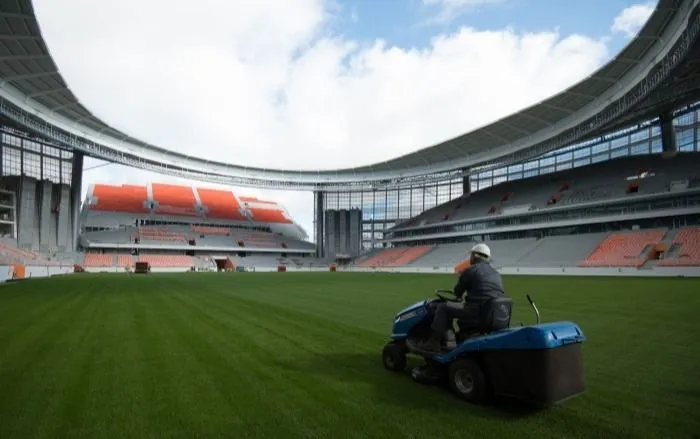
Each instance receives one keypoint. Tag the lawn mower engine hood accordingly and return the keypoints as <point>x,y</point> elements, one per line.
<point>408,317</point>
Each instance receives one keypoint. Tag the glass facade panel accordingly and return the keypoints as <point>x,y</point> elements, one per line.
<point>22,155</point>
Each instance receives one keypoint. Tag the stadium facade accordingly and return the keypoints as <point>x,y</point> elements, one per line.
<point>615,151</point>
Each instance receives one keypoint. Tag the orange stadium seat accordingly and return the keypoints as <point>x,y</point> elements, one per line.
<point>256,200</point>
<point>98,260</point>
<point>174,200</point>
<point>160,234</point>
<point>220,204</point>
<point>125,198</point>
<point>259,240</point>
<point>210,230</point>
<point>688,252</point>
<point>409,255</point>
<point>268,215</point>
<point>383,258</point>
<point>124,260</point>
<point>623,249</point>
<point>167,260</point>
<point>265,211</point>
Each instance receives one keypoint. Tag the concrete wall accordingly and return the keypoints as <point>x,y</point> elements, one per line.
<point>531,271</point>
<point>36,271</point>
<point>121,269</point>
<point>41,271</point>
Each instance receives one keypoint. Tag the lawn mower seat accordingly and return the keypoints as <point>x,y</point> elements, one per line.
<point>495,315</point>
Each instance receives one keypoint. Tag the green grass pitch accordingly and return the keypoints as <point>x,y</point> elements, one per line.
<point>297,355</point>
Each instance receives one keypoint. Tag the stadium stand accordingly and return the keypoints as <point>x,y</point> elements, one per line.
<point>264,211</point>
<point>163,261</point>
<point>685,249</point>
<point>173,200</point>
<point>619,162</point>
<point>561,251</point>
<point>209,230</point>
<point>158,234</point>
<point>627,178</point>
<point>220,204</point>
<point>98,260</point>
<point>124,198</point>
<point>627,249</point>
<point>617,178</point>
<point>396,257</point>
<point>124,261</point>
<point>550,251</point>
<point>12,254</point>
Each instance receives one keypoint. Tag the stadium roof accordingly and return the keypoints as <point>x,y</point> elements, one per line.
<point>33,94</point>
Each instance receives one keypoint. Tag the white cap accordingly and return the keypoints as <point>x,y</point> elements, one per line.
<point>482,249</point>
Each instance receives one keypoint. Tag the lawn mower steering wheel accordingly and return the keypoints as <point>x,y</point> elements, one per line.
<point>439,294</point>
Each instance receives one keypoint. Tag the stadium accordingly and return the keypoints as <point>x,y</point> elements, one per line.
<point>589,200</point>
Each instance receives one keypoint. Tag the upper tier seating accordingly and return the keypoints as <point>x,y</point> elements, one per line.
<point>220,204</point>
<point>125,198</point>
<point>623,249</point>
<point>174,200</point>
<point>167,199</point>
<point>612,179</point>
<point>687,254</point>
<point>264,211</point>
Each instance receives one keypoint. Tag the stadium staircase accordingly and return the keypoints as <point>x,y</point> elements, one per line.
<point>528,250</point>
<point>685,249</point>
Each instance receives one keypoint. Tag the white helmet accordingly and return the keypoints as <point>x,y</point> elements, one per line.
<point>482,249</point>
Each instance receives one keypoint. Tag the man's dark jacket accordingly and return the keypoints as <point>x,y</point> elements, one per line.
<point>481,281</point>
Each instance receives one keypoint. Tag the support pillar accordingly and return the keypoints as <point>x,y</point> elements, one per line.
<point>320,222</point>
<point>668,135</point>
<point>76,184</point>
<point>466,184</point>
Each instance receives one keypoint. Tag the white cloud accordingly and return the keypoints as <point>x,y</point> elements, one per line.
<point>632,18</point>
<point>263,83</point>
<point>450,9</point>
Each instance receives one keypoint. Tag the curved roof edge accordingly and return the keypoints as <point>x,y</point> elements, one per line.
<point>97,144</point>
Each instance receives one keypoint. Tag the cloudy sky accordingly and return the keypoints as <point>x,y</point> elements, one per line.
<point>316,84</point>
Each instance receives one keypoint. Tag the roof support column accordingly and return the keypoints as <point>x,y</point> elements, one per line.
<point>668,134</point>
<point>466,183</point>
<point>76,184</point>
<point>319,222</point>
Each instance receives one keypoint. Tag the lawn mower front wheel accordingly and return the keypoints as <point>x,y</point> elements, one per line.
<point>394,357</point>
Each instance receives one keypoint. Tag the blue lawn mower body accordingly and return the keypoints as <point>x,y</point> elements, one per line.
<point>538,364</point>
